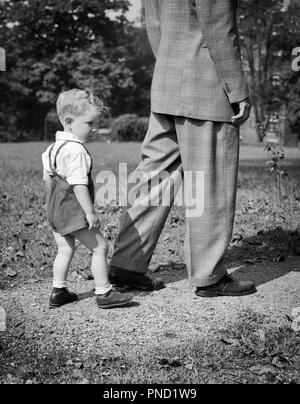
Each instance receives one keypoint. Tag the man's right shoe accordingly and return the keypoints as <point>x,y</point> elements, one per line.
<point>122,277</point>
<point>59,297</point>
<point>113,298</point>
<point>227,286</point>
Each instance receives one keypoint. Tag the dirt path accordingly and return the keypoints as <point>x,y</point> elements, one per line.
<point>168,319</point>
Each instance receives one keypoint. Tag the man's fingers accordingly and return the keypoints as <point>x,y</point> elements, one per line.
<point>241,113</point>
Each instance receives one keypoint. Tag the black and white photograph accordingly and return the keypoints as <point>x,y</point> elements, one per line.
<point>149,195</point>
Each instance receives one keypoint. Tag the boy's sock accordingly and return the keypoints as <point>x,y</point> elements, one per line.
<point>103,289</point>
<point>60,285</point>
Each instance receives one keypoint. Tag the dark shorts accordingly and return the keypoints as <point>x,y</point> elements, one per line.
<point>64,213</point>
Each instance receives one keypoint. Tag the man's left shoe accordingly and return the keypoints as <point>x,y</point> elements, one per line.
<point>122,277</point>
<point>59,297</point>
<point>227,286</point>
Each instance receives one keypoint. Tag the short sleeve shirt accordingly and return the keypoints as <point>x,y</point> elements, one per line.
<point>73,161</point>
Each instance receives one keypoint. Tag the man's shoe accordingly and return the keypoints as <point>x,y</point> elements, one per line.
<point>123,277</point>
<point>113,298</point>
<point>59,297</point>
<point>227,286</point>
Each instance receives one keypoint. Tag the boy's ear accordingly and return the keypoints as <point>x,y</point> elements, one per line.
<point>68,120</point>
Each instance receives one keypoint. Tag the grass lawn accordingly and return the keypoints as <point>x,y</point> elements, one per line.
<point>260,218</point>
<point>265,233</point>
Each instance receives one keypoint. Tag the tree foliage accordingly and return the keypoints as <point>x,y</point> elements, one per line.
<point>53,45</point>
<point>269,32</point>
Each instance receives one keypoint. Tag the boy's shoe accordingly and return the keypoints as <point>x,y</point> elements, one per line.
<point>122,277</point>
<point>227,286</point>
<point>113,298</point>
<point>59,297</point>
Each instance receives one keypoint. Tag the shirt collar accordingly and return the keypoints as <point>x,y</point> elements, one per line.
<point>60,135</point>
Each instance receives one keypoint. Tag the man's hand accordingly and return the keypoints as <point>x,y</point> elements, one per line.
<point>93,221</point>
<point>244,108</point>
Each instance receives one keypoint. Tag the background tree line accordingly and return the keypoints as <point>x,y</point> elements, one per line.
<point>53,45</point>
<point>269,31</point>
<point>58,44</point>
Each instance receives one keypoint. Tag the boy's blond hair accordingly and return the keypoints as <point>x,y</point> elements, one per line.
<point>76,102</point>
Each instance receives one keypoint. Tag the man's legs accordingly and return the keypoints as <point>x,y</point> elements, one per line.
<point>210,149</point>
<point>141,226</point>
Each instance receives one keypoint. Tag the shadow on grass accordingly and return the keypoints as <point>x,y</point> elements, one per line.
<point>260,258</point>
<point>85,295</point>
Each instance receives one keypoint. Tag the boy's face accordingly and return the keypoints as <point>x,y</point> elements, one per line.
<point>84,127</point>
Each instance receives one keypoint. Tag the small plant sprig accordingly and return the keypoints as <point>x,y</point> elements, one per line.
<point>275,165</point>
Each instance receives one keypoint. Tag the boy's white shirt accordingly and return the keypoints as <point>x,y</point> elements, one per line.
<point>73,162</point>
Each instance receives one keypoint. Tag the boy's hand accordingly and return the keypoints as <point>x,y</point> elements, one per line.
<point>83,197</point>
<point>93,221</point>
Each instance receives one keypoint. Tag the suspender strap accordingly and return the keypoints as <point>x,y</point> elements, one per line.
<point>54,166</point>
<point>57,153</point>
<point>50,162</point>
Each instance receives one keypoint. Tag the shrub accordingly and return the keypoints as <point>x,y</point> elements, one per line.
<point>129,128</point>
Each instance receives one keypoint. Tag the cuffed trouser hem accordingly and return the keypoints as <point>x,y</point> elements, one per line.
<point>204,282</point>
<point>134,266</point>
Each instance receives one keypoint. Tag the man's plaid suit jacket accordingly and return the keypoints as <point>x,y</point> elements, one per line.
<point>198,72</point>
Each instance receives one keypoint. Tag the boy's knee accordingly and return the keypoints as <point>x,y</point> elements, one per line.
<point>66,251</point>
<point>102,248</point>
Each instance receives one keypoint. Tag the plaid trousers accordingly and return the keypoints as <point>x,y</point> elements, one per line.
<point>180,145</point>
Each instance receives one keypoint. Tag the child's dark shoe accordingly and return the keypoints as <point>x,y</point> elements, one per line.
<point>59,297</point>
<point>113,298</point>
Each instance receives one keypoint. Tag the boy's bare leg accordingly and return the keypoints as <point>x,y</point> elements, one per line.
<point>60,295</point>
<point>107,297</point>
<point>66,248</point>
<point>94,241</point>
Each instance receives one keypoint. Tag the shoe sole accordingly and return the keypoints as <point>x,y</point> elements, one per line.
<point>113,305</point>
<point>220,294</point>
<point>52,306</point>
<point>57,306</point>
<point>137,287</point>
